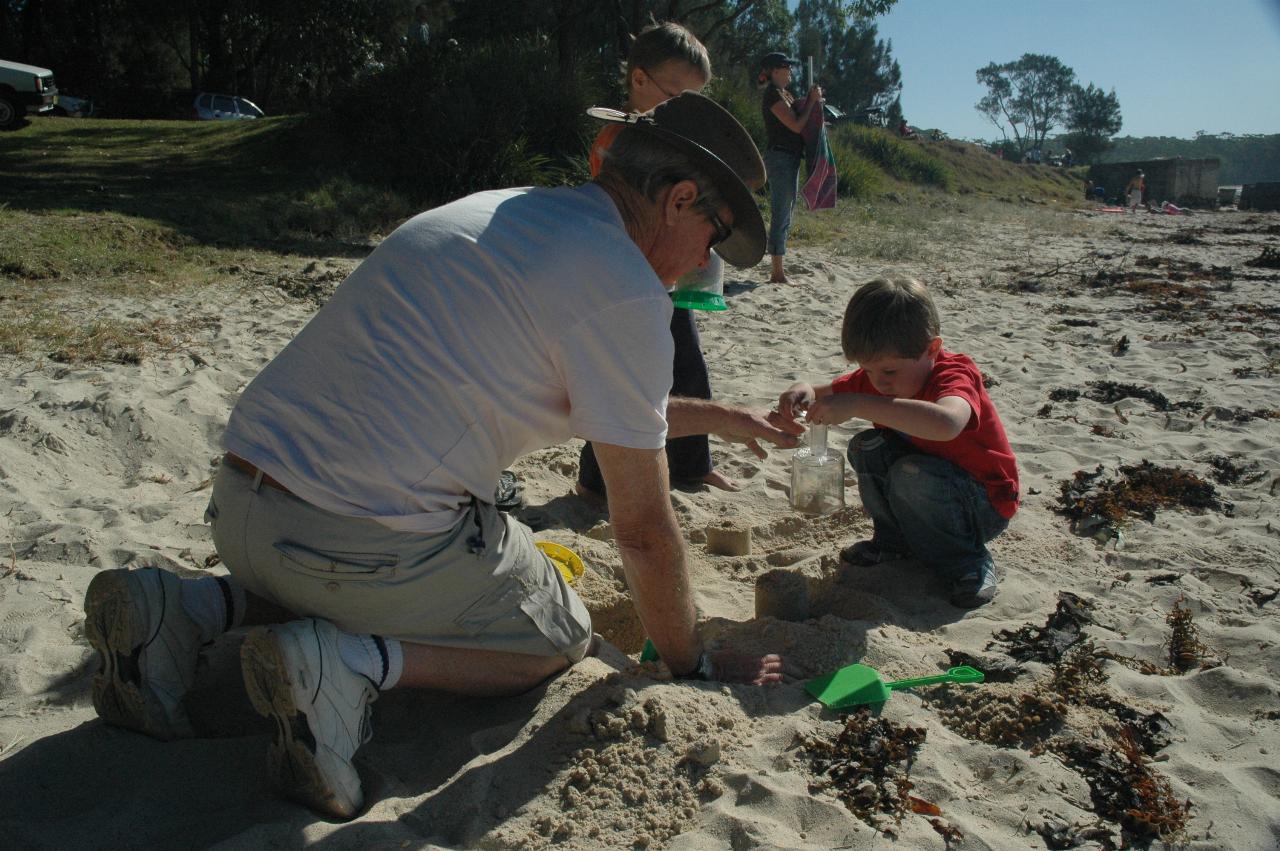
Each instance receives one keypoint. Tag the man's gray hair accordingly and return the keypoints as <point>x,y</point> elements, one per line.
<point>648,165</point>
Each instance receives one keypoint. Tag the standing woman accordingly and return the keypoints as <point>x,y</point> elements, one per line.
<point>785,148</point>
<point>666,59</point>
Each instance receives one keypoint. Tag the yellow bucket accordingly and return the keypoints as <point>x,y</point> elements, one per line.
<point>565,560</point>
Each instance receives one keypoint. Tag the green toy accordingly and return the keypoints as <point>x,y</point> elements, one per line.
<point>855,685</point>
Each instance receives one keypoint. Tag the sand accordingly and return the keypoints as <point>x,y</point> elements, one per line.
<point>102,467</point>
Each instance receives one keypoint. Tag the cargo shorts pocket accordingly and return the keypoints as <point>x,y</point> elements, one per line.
<point>502,601</point>
<point>333,565</point>
<point>564,628</point>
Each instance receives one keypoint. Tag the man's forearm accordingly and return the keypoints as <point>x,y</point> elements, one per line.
<point>654,563</point>
<point>687,416</point>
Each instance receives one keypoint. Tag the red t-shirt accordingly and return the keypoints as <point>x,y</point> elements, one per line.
<point>982,450</point>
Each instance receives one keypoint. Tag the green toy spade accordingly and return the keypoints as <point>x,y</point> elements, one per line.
<point>855,685</point>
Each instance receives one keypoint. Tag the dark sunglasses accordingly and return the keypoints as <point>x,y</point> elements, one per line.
<point>723,231</point>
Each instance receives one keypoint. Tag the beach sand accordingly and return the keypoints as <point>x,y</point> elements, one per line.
<point>109,466</point>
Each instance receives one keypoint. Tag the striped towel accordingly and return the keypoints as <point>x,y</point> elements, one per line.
<point>819,190</point>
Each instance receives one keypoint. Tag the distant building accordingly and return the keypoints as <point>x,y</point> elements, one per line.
<point>1187,183</point>
<point>1260,196</point>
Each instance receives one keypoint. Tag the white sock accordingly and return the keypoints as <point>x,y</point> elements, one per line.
<point>374,657</point>
<point>206,601</point>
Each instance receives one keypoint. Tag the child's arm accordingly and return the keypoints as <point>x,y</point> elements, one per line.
<point>940,421</point>
<point>798,397</point>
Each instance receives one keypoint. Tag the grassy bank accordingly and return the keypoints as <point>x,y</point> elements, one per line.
<point>99,211</point>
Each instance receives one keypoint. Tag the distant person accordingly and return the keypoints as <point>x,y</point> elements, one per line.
<point>905,131</point>
<point>935,472</point>
<point>666,59</point>
<point>1100,193</point>
<point>1135,189</point>
<point>1067,158</point>
<point>419,32</point>
<point>782,126</point>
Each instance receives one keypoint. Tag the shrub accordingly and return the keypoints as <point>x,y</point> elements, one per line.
<point>441,122</point>
<point>902,159</point>
<point>858,176</point>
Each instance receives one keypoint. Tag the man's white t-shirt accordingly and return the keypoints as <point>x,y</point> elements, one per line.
<point>477,332</point>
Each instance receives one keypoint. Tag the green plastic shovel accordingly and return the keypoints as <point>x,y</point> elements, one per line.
<point>855,685</point>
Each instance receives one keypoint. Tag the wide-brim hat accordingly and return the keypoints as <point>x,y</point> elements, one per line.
<point>719,146</point>
<point>777,60</point>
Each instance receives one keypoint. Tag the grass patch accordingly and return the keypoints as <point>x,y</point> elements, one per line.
<point>905,160</point>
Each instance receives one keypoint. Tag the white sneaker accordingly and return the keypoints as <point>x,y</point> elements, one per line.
<point>149,647</point>
<point>296,677</point>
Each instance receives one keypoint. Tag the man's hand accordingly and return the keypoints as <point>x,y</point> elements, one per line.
<point>745,425</point>
<point>728,666</point>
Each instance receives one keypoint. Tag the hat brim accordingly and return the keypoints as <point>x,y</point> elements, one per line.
<point>745,245</point>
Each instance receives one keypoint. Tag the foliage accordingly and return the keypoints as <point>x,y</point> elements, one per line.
<point>1031,95</point>
<point>1253,158</point>
<point>287,53</point>
<point>855,68</point>
<point>531,139</point>
<point>902,159</point>
<point>857,176</point>
<point>1092,119</point>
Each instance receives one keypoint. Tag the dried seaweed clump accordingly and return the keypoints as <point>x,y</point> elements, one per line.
<point>1027,719</point>
<point>1268,259</point>
<point>1227,471</point>
<point>1110,392</point>
<point>868,765</point>
<point>1185,648</point>
<point>1047,643</point>
<point>1078,674</point>
<point>1138,491</point>
<point>1125,789</point>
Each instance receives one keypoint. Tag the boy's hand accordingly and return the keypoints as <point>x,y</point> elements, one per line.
<point>833,410</point>
<point>794,400</point>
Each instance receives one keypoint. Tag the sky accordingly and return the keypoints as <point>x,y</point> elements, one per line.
<point>1177,66</point>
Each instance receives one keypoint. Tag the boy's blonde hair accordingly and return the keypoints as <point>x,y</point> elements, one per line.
<point>659,43</point>
<point>889,317</point>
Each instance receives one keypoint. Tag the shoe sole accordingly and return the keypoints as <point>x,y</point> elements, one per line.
<point>291,764</point>
<point>111,625</point>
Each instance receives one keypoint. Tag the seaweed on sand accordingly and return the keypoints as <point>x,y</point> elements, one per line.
<point>868,766</point>
<point>1125,789</point>
<point>1139,490</point>
<point>1049,642</point>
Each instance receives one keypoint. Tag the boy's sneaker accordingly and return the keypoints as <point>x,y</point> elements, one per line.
<point>975,589</point>
<point>867,554</point>
<point>148,646</point>
<point>296,677</point>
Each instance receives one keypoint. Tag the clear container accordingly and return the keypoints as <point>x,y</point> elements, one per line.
<point>817,476</point>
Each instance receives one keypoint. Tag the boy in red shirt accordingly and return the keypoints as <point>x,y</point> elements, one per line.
<point>936,472</point>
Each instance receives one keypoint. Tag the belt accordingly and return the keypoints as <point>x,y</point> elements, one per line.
<point>248,467</point>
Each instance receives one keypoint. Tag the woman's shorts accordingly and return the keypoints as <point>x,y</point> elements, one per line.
<point>481,585</point>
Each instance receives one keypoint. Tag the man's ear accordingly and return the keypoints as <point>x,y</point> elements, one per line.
<point>935,346</point>
<point>680,197</point>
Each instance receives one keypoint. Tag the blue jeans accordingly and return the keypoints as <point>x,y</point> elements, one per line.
<point>924,505</point>
<point>784,178</point>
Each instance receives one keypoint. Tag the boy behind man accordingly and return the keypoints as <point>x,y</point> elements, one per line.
<point>936,472</point>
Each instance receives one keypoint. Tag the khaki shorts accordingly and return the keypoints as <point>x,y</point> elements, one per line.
<point>481,585</point>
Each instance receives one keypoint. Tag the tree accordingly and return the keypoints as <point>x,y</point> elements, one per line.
<point>855,68</point>
<point>1031,95</point>
<point>1093,117</point>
